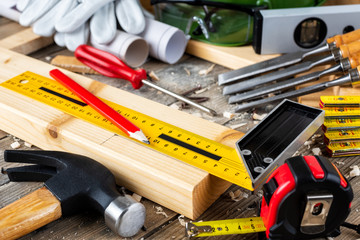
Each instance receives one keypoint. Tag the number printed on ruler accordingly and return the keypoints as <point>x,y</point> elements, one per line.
<point>211,156</point>
<point>226,227</point>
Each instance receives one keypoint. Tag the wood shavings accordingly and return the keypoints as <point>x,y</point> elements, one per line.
<point>160,211</point>
<point>153,76</point>
<point>176,105</point>
<point>316,136</point>
<point>238,195</point>
<point>71,63</point>
<point>187,71</point>
<point>228,115</point>
<point>235,126</point>
<point>206,71</point>
<point>316,151</point>
<point>15,145</point>
<point>308,143</point>
<point>355,172</point>
<point>339,163</point>
<point>259,117</point>
<point>137,197</point>
<point>201,90</point>
<point>182,220</point>
<point>29,145</point>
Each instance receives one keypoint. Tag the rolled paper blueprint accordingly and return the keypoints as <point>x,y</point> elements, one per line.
<point>167,43</point>
<point>133,50</point>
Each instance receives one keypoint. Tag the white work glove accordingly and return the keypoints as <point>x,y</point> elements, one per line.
<point>47,14</point>
<point>103,23</point>
<point>69,19</point>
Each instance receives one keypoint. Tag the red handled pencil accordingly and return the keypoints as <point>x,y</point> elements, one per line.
<point>125,125</point>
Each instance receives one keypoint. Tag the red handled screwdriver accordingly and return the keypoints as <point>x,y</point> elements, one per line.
<point>111,66</point>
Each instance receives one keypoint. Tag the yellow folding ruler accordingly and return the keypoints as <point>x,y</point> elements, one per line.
<point>342,112</point>
<point>343,149</point>
<point>225,227</point>
<point>211,156</point>
<point>343,135</point>
<point>339,101</point>
<point>341,123</point>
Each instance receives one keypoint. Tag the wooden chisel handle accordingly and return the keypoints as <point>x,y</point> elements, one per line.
<point>28,214</point>
<point>355,60</point>
<point>349,49</point>
<point>345,38</point>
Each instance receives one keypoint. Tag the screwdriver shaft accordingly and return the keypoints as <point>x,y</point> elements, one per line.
<point>181,98</point>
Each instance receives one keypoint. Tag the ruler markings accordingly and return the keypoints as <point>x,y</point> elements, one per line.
<point>218,159</point>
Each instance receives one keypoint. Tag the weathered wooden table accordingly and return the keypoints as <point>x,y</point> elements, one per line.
<point>162,223</point>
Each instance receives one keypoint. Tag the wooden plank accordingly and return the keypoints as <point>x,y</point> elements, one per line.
<point>167,181</point>
<point>230,57</point>
<point>25,41</point>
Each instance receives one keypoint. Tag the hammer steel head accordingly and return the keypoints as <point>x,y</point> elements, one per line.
<point>79,183</point>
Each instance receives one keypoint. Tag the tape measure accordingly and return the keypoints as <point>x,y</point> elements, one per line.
<point>305,198</point>
<point>211,156</point>
<point>225,227</point>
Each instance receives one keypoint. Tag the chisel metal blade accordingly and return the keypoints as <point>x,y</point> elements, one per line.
<point>303,91</point>
<point>277,75</point>
<point>283,85</point>
<point>265,66</point>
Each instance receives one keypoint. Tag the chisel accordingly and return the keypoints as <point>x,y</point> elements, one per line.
<point>336,54</point>
<point>344,65</point>
<point>352,77</point>
<point>286,60</point>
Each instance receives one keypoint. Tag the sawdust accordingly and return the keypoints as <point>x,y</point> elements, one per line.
<point>238,195</point>
<point>355,172</point>
<point>15,145</point>
<point>206,71</point>
<point>153,76</point>
<point>316,151</point>
<point>182,221</point>
<point>160,211</point>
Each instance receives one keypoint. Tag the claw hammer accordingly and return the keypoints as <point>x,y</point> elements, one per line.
<point>72,183</point>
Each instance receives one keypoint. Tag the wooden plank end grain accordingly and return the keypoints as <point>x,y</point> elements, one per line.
<point>160,178</point>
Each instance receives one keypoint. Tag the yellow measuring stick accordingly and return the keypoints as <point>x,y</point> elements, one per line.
<point>342,136</point>
<point>343,149</point>
<point>341,123</point>
<point>339,101</point>
<point>225,227</point>
<point>342,112</point>
<point>211,156</point>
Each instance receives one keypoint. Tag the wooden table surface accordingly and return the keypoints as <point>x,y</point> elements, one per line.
<point>162,223</point>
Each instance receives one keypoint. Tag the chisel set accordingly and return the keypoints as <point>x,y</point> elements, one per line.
<point>341,125</point>
<point>250,86</point>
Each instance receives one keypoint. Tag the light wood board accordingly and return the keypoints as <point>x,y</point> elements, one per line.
<point>167,181</point>
<point>230,57</point>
